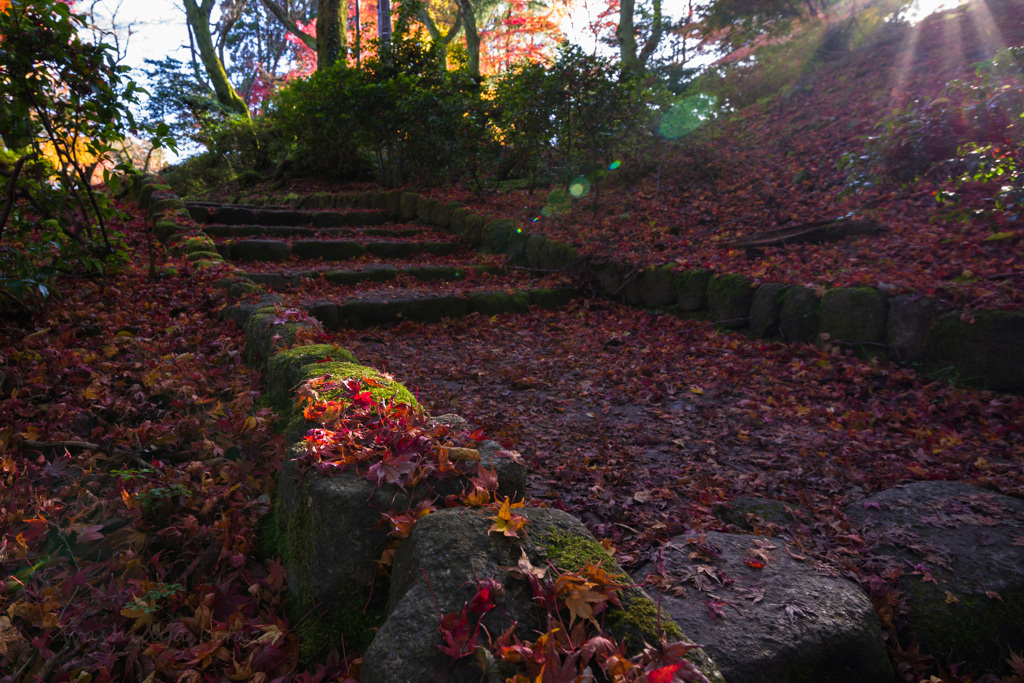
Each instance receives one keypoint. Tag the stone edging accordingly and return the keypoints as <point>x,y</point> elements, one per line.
<point>312,513</point>
<point>984,349</point>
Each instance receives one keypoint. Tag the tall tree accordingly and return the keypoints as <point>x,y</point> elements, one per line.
<point>199,17</point>
<point>632,61</point>
<point>331,38</point>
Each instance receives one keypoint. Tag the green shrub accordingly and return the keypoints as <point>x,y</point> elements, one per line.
<point>571,118</point>
<point>972,133</point>
<point>405,119</point>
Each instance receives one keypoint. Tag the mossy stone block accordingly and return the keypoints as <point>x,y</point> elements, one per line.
<point>534,249</point>
<point>441,248</point>
<point>407,205</point>
<point>518,241</point>
<point>555,255</point>
<point>729,299</point>
<point>425,208</point>
<point>440,215</point>
<point>393,249</point>
<point>495,234</point>
<point>385,390</point>
<point>263,336</point>
<point>283,371</point>
<point>260,250</point>
<point>765,309</point>
<point>854,315</point>
<point>610,278</point>
<point>329,250</point>
<point>692,289</point>
<point>551,297</point>
<point>326,312</point>
<point>493,303</point>
<point>984,350</point>
<point>433,309</point>
<point>353,277</point>
<point>657,287</point>
<point>393,203</point>
<point>435,273</point>
<point>800,315</point>
<point>474,228</point>
<point>457,222</point>
<point>163,230</point>
<point>907,326</point>
<point>161,207</point>
<point>201,255</point>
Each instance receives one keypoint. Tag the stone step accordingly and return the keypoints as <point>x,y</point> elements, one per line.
<point>373,310</point>
<point>249,215</point>
<point>382,273</point>
<point>330,250</point>
<point>237,231</point>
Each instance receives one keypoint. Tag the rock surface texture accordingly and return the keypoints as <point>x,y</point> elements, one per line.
<point>764,616</point>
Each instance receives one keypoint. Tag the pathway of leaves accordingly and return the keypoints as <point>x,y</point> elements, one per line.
<point>136,463</point>
<point>642,423</point>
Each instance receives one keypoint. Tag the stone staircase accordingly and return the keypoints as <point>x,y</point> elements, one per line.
<point>367,259</point>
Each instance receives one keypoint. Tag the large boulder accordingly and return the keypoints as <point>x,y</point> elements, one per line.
<point>437,569</point>
<point>957,550</point>
<point>781,623</point>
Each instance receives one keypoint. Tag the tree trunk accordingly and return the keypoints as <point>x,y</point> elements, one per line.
<point>384,24</point>
<point>282,15</point>
<point>331,33</point>
<point>198,17</point>
<point>472,38</point>
<point>632,62</point>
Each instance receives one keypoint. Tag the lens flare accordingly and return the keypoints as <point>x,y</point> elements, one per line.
<point>615,165</point>
<point>579,187</point>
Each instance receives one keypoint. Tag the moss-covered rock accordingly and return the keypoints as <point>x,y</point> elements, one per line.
<point>163,230</point>
<point>440,248</point>
<point>854,315</point>
<point>800,315</point>
<point>495,234</point>
<point>260,250</point>
<point>369,274</point>
<point>203,255</point>
<point>457,223</point>
<point>983,350</point>
<point>729,299</point>
<point>692,289</point>
<point>284,370</point>
<point>765,309</point>
<point>393,250</point>
<point>907,326</point>
<point>534,248</point>
<point>330,250</point>
<point>971,609</point>
<point>657,287</point>
<point>407,206</point>
<point>474,228</point>
<point>551,297</point>
<point>493,303</point>
<point>425,208</point>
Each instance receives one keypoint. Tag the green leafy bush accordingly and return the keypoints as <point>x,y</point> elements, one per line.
<point>66,101</point>
<point>972,133</point>
<point>403,117</point>
<point>573,117</point>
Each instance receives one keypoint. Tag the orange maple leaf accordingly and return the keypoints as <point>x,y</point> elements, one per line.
<point>505,522</point>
